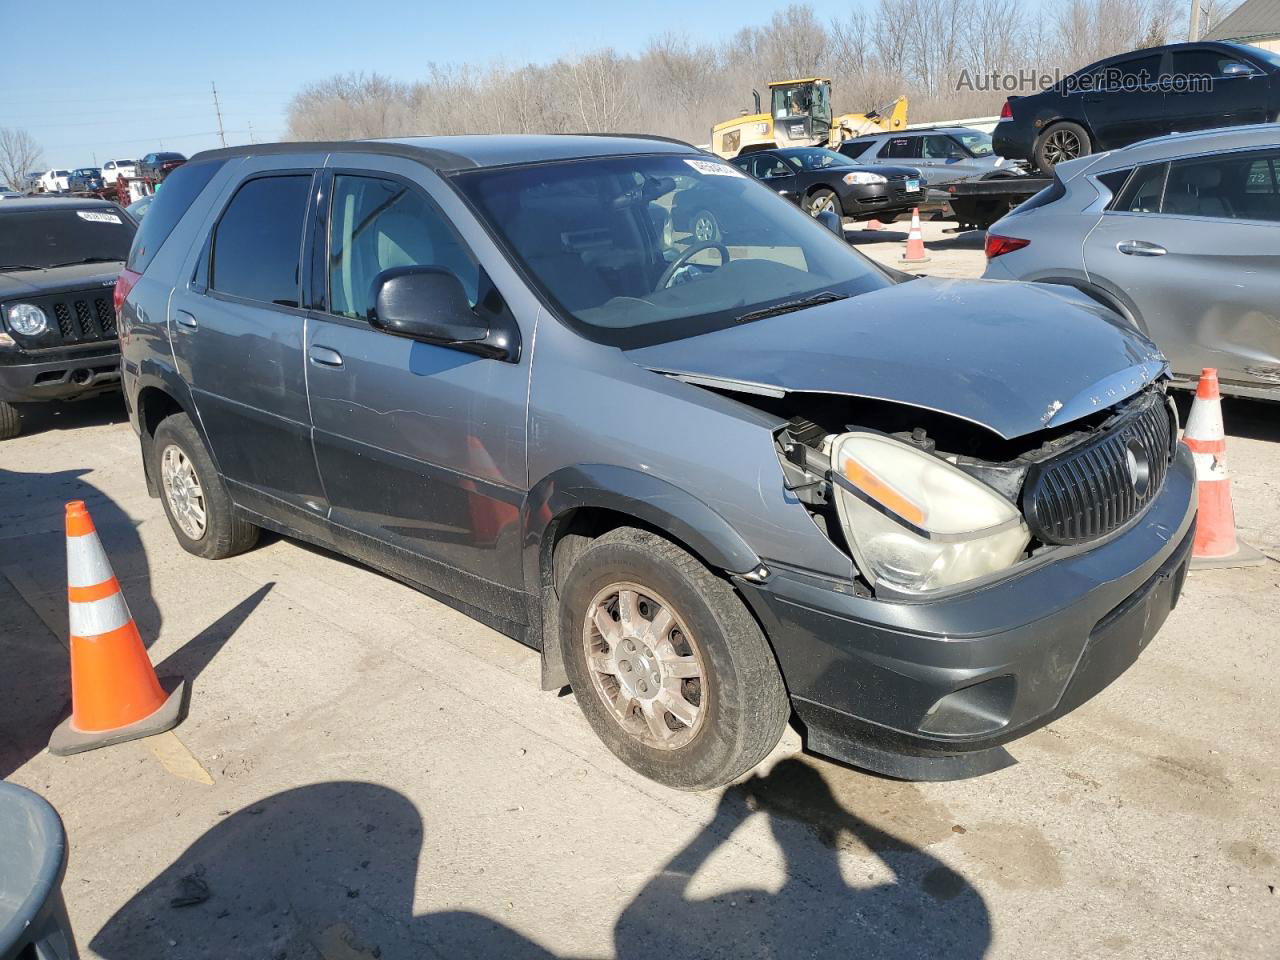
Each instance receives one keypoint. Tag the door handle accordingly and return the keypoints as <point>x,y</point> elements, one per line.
<point>1140,248</point>
<point>185,319</point>
<point>325,357</point>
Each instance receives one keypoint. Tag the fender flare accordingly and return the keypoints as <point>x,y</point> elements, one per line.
<point>649,499</point>
<point>623,490</point>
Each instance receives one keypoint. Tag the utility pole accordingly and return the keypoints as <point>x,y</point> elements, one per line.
<point>251,140</point>
<point>218,110</point>
<point>1193,29</point>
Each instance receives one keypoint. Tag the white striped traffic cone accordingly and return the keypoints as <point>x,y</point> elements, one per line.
<point>1216,543</point>
<point>115,695</point>
<point>914,252</point>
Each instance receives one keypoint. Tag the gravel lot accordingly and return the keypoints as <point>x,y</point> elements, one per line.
<point>366,773</point>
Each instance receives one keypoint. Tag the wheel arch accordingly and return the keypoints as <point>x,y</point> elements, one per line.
<point>573,506</point>
<point>154,402</point>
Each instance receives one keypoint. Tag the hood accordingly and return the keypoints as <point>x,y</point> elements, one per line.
<point>1012,357</point>
<point>35,283</point>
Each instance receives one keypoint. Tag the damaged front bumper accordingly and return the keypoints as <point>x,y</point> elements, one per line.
<point>931,690</point>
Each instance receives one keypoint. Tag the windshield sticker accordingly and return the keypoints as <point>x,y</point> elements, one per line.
<point>713,169</point>
<point>95,216</point>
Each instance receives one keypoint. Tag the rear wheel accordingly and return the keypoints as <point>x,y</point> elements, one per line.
<point>10,421</point>
<point>822,200</point>
<point>1060,143</point>
<point>667,664</point>
<point>195,499</point>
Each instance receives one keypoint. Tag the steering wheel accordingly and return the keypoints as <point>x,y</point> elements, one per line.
<point>689,253</point>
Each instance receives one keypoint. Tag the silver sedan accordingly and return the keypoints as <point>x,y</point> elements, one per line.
<point>1180,235</point>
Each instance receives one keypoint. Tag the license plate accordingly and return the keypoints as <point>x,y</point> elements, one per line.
<point>913,186</point>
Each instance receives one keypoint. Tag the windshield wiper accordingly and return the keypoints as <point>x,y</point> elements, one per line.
<point>73,263</point>
<point>20,266</point>
<point>791,306</point>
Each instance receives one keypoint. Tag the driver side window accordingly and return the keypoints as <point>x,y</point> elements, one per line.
<point>770,168</point>
<point>377,224</point>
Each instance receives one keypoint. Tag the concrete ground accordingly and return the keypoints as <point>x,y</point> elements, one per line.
<point>366,773</point>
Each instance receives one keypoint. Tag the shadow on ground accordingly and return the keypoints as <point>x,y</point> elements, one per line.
<point>96,411</point>
<point>330,870</point>
<point>34,687</point>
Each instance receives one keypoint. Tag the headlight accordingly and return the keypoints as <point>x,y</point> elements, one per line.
<point>862,177</point>
<point>916,523</point>
<point>27,319</point>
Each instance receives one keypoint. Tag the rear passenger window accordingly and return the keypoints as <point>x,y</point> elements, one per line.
<point>180,190</point>
<point>377,224</point>
<point>900,147</point>
<point>1240,186</point>
<point>258,242</point>
<point>1143,192</point>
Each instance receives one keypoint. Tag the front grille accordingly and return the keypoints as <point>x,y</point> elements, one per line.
<point>1096,487</point>
<point>80,317</point>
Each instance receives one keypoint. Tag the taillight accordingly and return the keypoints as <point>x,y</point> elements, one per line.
<point>998,246</point>
<point>1006,112</point>
<point>124,283</point>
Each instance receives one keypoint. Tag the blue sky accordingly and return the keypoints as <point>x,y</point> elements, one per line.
<point>91,91</point>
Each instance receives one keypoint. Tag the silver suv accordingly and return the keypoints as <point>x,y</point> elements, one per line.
<point>714,482</point>
<point>942,154</point>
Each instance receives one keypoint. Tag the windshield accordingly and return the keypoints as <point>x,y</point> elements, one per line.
<point>976,142</point>
<point>48,238</point>
<point>793,100</point>
<point>816,158</point>
<point>642,250</point>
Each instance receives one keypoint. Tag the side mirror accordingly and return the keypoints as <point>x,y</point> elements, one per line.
<point>430,304</point>
<point>831,220</point>
<point>1234,68</point>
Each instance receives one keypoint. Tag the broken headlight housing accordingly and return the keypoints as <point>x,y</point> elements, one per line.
<point>917,524</point>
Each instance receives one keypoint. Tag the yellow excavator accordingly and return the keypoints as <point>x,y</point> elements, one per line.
<point>800,116</point>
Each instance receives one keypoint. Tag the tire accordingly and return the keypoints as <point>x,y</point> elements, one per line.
<point>10,421</point>
<point>224,532</point>
<point>704,222</point>
<point>718,670</point>
<point>1053,146</point>
<point>823,199</point>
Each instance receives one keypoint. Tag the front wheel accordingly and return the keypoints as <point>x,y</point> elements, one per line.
<point>820,201</point>
<point>195,499</point>
<point>10,421</point>
<point>669,667</point>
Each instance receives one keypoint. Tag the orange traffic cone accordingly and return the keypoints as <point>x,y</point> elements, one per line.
<point>873,224</point>
<point>115,695</point>
<point>915,241</point>
<point>1216,543</point>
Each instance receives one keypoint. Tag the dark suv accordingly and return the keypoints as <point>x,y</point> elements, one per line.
<point>58,264</point>
<point>713,481</point>
<point>1136,96</point>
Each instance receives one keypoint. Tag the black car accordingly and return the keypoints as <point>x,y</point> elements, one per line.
<point>1139,95</point>
<point>157,166</point>
<point>83,179</point>
<point>820,180</point>
<point>58,264</point>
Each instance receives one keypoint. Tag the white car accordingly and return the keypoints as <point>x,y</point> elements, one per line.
<point>113,169</point>
<point>54,181</point>
<point>10,195</point>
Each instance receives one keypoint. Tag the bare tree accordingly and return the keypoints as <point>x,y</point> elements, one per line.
<point>19,155</point>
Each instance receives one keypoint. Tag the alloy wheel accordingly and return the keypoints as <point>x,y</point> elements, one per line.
<point>183,492</point>
<point>645,666</point>
<point>821,204</point>
<point>1060,146</point>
